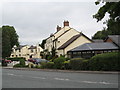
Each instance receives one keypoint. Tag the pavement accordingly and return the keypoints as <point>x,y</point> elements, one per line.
<point>58,70</point>
<point>34,78</point>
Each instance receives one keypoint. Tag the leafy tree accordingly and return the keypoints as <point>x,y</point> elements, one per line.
<point>113,23</point>
<point>43,43</point>
<point>9,39</point>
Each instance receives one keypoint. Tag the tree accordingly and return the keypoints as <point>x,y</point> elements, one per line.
<point>113,23</point>
<point>9,39</point>
<point>43,43</point>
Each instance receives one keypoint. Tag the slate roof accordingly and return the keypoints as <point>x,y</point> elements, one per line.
<point>97,41</point>
<point>95,46</point>
<point>32,47</point>
<point>72,40</point>
<point>115,39</point>
<point>19,47</point>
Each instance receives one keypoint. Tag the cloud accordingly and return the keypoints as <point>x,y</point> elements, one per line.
<point>36,21</point>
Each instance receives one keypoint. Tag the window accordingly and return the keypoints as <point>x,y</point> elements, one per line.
<point>31,50</point>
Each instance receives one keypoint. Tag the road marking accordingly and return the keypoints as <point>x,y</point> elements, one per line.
<point>61,79</point>
<point>39,77</point>
<point>13,74</point>
<point>98,82</point>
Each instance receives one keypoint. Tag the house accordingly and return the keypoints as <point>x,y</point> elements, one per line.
<point>88,50</point>
<point>65,39</point>
<point>26,51</point>
<point>113,39</point>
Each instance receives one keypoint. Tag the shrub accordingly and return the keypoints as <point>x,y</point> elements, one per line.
<point>16,58</point>
<point>67,65</point>
<point>50,65</point>
<point>105,61</point>
<point>4,63</point>
<point>19,65</point>
<point>79,64</point>
<point>22,62</point>
<point>59,62</point>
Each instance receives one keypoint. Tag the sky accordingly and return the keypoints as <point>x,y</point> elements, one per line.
<point>35,21</point>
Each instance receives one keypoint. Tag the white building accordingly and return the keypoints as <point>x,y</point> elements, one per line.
<point>65,39</point>
<point>26,51</point>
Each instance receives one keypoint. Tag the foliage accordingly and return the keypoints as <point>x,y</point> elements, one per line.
<point>9,39</point>
<point>4,63</point>
<point>16,58</point>
<point>19,65</point>
<point>43,43</point>
<point>59,62</point>
<point>22,62</point>
<point>67,65</point>
<point>105,61</point>
<point>79,64</point>
<point>49,65</point>
<point>113,23</point>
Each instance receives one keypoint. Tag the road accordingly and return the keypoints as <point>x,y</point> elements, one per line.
<point>52,79</point>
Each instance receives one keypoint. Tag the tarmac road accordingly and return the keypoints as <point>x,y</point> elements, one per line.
<point>52,79</point>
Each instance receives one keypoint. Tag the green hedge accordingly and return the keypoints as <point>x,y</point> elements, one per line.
<point>59,62</point>
<point>49,65</point>
<point>79,64</point>
<point>16,58</point>
<point>105,62</point>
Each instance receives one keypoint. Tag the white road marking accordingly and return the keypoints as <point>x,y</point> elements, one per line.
<point>61,79</point>
<point>13,74</point>
<point>98,82</point>
<point>39,77</point>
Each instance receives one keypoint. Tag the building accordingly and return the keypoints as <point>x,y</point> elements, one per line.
<point>65,39</point>
<point>26,51</point>
<point>87,50</point>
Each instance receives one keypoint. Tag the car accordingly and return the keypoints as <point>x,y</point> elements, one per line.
<point>37,60</point>
<point>8,61</point>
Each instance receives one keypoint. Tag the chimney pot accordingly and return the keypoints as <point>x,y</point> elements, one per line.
<point>66,23</point>
<point>58,28</point>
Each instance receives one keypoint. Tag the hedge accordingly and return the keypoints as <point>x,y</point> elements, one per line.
<point>59,62</point>
<point>16,58</point>
<point>105,62</point>
<point>79,64</point>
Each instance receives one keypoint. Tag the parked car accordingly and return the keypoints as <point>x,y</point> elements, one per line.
<point>8,61</point>
<point>37,60</point>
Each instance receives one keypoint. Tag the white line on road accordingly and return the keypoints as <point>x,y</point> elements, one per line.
<point>61,79</point>
<point>39,77</point>
<point>13,74</point>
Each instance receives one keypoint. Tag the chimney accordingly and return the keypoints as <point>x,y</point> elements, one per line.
<point>66,23</point>
<point>58,28</point>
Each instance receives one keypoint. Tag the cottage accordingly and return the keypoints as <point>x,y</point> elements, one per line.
<point>26,51</point>
<point>65,39</point>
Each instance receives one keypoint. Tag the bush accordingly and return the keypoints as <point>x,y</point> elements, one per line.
<point>16,58</point>
<point>49,65</point>
<point>67,65</point>
<point>59,62</point>
<point>22,62</point>
<point>105,62</point>
<point>79,64</point>
<point>19,65</point>
<point>4,63</point>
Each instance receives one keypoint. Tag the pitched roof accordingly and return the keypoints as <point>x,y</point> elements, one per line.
<point>62,34</point>
<point>19,47</point>
<point>69,41</point>
<point>32,47</point>
<point>95,46</point>
<point>98,40</point>
<point>115,39</point>
<point>72,40</point>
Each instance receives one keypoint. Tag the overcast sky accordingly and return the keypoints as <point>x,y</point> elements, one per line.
<point>35,21</point>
